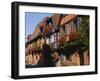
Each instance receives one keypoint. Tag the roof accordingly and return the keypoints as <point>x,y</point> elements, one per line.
<point>56,21</point>
<point>67,19</point>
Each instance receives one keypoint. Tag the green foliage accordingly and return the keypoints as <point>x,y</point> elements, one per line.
<point>84,31</point>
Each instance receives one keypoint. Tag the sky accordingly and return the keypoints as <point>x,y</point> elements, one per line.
<point>32,19</point>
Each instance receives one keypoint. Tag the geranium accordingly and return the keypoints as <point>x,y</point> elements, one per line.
<point>73,35</point>
<point>62,39</point>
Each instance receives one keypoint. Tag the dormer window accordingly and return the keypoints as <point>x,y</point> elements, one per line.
<point>29,37</point>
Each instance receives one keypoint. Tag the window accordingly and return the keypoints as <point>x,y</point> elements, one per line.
<point>47,40</point>
<point>52,38</point>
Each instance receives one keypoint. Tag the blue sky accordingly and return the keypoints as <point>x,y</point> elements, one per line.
<point>32,19</point>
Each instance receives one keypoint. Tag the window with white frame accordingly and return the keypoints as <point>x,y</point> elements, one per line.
<point>52,38</point>
<point>47,40</point>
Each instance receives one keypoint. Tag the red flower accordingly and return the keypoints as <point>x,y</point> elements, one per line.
<point>62,39</point>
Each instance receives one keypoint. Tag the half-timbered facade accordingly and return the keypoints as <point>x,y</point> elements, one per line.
<point>54,30</point>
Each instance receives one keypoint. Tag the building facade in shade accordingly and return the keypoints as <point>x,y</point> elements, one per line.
<point>54,31</point>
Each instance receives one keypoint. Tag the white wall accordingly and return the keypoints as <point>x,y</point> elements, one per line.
<point>5,38</point>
